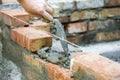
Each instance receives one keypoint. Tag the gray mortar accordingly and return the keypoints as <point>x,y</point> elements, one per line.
<point>56,55</point>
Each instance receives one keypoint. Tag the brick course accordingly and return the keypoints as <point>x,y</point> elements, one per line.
<point>94,67</point>
<point>10,21</point>
<point>76,27</point>
<point>31,38</point>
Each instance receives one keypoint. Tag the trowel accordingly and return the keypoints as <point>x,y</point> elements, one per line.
<point>60,32</point>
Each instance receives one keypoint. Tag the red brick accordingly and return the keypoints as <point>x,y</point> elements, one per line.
<point>55,72</point>
<point>34,63</point>
<point>112,2</point>
<point>77,27</point>
<point>27,58</point>
<point>31,38</point>
<point>76,54</point>
<point>63,18</point>
<point>39,25</point>
<point>10,21</point>
<point>58,73</point>
<point>94,67</point>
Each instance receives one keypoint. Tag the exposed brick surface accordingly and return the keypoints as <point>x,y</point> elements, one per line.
<point>77,27</point>
<point>39,25</point>
<point>94,67</point>
<point>57,73</point>
<point>31,38</point>
<point>8,20</point>
<point>30,74</point>
<point>104,24</point>
<point>112,12</point>
<point>112,2</point>
<point>85,4</point>
<point>105,36</point>
<point>63,17</point>
<point>74,39</point>
<point>81,15</point>
<point>80,4</point>
<point>54,72</point>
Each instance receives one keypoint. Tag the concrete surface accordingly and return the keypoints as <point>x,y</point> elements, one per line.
<point>108,49</point>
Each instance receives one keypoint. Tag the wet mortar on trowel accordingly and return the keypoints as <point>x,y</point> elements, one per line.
<point>56,54</point>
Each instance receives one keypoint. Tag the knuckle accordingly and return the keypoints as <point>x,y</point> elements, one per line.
<point>41,11</point>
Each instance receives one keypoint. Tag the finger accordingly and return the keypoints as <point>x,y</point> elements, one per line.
<point>47,16</point>
<point>50,6</point>
<point>35,15</point>
<point>49,10</point>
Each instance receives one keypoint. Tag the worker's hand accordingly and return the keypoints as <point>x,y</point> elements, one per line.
<point>39,8</point>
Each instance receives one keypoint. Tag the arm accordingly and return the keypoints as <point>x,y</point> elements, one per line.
<point>39,8</point>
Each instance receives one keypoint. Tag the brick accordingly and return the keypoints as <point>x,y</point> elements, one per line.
<point>104,24</point>
<point>87,4</point>
<point>112,12</point>
<point>54,71</point>
<point>94,67</point>
<point>39,25</point>
<point>81,4</point>
<point>112,2</point>
<point>73,39</point>
<point>81,15</point>
<point>34,63</point>
<point>8,20</point>
<point>58,73</point>
<point>30,74</point>
<point>31,38</point>
<point>82,38</point>
<point>27,58</point>
<point>77,27</point>
<point>95,25</point>
<point>63,17</point>
<point>68,4</point>
<point>106,36</point>
<point>61,5</point>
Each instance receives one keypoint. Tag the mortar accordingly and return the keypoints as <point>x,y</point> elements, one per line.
<point>56,54</point>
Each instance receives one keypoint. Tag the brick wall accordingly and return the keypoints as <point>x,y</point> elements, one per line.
<point>90,20</point>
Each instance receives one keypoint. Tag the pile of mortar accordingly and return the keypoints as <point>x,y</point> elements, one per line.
<point>56,55</point>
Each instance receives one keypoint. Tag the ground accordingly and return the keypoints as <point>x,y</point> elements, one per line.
<point>9,71</point>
